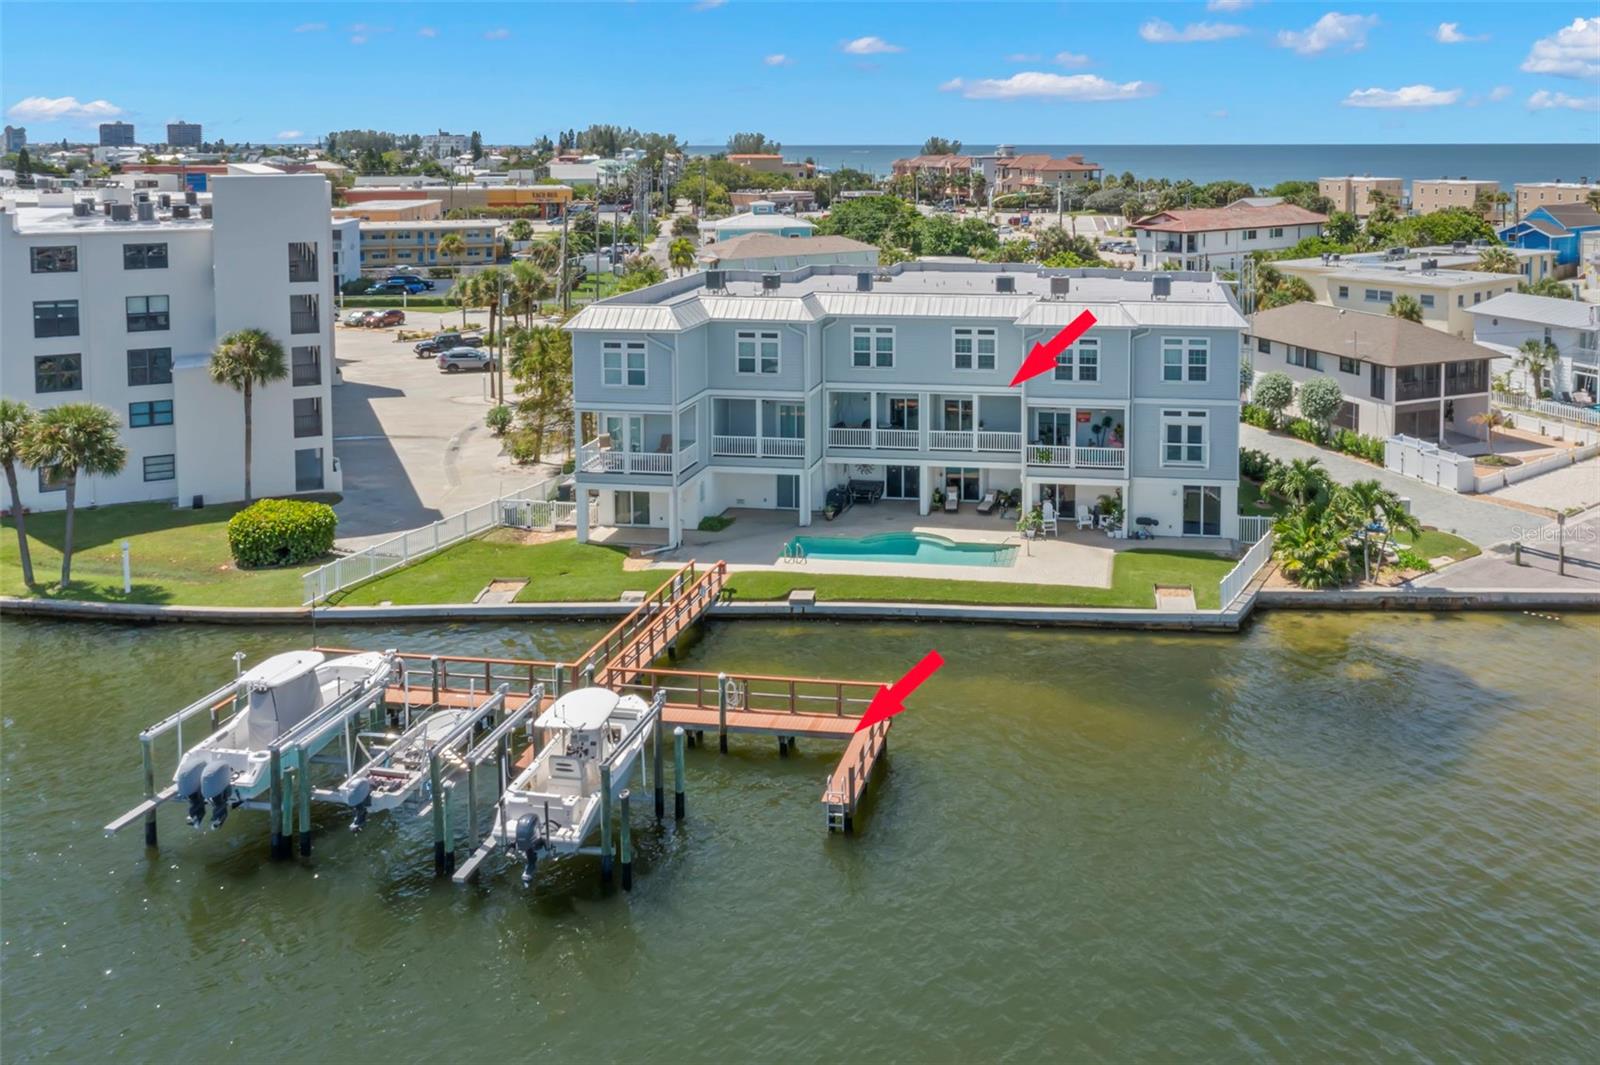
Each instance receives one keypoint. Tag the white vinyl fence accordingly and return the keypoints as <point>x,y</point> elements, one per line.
<point>527,508</point>
<point>1561,412</point>
<point>1253,527</point>
<point>1429,463</point>
<point>1240,576</point>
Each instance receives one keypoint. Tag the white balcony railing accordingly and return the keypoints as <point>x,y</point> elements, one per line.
<point>992,440</point>
<point>748,447</point>
<point>737,446</point>
<point>688,454</point>
<point>783,447</point>
<point>950,440</point>
<point>908,439</point>
<point>592,458</point>
<point>649,462</point>
<point>1049,455</point>
<point>1100,458</point>
<point>849,437</point>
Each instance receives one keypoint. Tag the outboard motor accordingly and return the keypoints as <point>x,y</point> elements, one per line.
<point>360,799</point>
<point>529,842</point>
<point>216,784</point>
<point>189,787</point>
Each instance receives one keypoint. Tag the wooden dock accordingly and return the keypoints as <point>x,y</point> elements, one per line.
<point>699,702</point>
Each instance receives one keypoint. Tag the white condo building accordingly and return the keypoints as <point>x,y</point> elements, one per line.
<point>119,298</point>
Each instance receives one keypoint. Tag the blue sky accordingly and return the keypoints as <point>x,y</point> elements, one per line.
<point>1210,71</point>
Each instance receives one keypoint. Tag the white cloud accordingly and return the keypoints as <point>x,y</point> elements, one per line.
<point>1072,59</point>
<point>1221,112</point>
<point>1227,5</point>
<point>1450,33</point>
<point>358,38</point>
<point>290,134</point>
<point>1571,52</point>
<point>1405,96</point>
<point>1034,85</point>
<point>1545,100</point>
<point>427,31</point>
<point>1329,31</point>
<point>499,33</point>
<point>63,109</point>
<point>869,46</point>
<point>777,59</point>
<point>708,5</point>
<point>1499,92</point>
<point>1160,31</point>
<point>1024,57</point>
<point>311,27</point>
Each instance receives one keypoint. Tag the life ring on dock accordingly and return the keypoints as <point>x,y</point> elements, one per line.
<point>734,694</point>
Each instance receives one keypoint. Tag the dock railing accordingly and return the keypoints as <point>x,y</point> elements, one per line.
<point>1238,579</point>
<point>752,692</point>
<point>530,507</point>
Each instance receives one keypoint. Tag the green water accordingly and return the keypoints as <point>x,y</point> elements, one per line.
<point>1334,837</point>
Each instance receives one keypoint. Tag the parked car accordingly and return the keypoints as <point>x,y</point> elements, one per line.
<point>358,317</point>
<point>409,279</point>
<point>445,342</point>
<point>387,316</point>
<point>457,359</point>
<point>395,285</point>
<point>402,269</point>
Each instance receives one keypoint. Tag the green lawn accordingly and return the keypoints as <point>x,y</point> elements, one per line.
<point>567,570</point>
<point>1250,493</point>
<point>177,555</point>
<point>1434,543</point>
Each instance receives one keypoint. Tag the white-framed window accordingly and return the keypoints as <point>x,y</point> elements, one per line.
<point>1275,232</point>
<point>755,352</point>
<point>622,364</point>
<point>1426,299</point>
<point>1185,358</point>
<point>1080,361</point>
<point>974,348</point>
<point>872,346</point>
<point>1344,292</point>
<point>1249,234</point>
<point>1183,438</point>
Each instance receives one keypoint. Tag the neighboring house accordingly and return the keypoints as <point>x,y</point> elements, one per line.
<point>124,309</point>
<point>1022,173</point>
<point>772,163</point>
<point>1443,282</point>
<point>776,387</point>
<point>1218,238</point>
<point>761,218</point>
<point>767,252</point>
<point>1532,195</point>
<point>399,209</point>
<point>794,199</point>
<point>1353,195</point>
<point>1396,376</point>
<point>389,244</point>
<point>442,145</point>
<point>949,175</point>
<point>346,249</point>
<point>1506,322</point>
<point>1558,228</point>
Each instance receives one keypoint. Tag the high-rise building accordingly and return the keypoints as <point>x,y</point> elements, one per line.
<point>116,134</point>
<point>16,139</point>
<point>181,134</point>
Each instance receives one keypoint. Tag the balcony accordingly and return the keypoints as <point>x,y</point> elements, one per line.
<point>850,437</point>
<point>996,440</point>
<point>950,440</point>
<point>1081,458</point>
<point>767,447</point>
<point>598,457</point>
<point>897,439</point>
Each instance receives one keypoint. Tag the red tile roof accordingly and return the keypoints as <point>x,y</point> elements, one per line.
<point>1233,216</point>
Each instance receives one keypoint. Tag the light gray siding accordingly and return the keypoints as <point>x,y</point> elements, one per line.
<point>923,353</point>
<point>588,389</point>
<point>721,340</point>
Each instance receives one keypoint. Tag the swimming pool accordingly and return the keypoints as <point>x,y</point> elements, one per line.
<point>903,547</point>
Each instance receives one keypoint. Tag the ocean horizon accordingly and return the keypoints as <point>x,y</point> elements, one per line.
<point>1264,164</point>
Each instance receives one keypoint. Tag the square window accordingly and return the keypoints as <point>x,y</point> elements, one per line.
<point>1263,345</point>
<point>1348,365</point>
<point>307,365</point>
<point>1426,299</point>
<point>57,373</point>
<point>55,318</point>
<point>148,314</point>
<point>149,366</point>
<point>144,256</point>
<point>308,416</point>
<point>56,259</point>
<point>152,412</point>
<point>51,480</point>
<point>1344,292</point>
<point>1183,436</point>
<point>160,467</point>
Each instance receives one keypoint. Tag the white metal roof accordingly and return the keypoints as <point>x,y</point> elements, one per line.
<point>583,710</point>
<point>1544,310</point>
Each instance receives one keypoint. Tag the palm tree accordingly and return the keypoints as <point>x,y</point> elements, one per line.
<point>1498,261</point>
<point>68,440</point>
<point>1535,358</point>
<point>243,360</point>
<point>1406,307</point>
<point>1310,550</point>
<point>16,422</point>
<point>1491,420</point>
<point>530,286</point>
<point>1366,504</point>
<point>1546,286</point>
<point>519,230</point>
<point>680,255</point>
<point>1300,481</point>
<point>1593,199</point>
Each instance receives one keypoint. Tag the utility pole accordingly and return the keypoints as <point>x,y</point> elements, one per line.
<point>562,291</point>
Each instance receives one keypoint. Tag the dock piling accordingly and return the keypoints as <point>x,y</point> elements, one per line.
<point>433,668</point>
<point>722,712</point>
<point>677,773</point>
<point>626,835</point>
<point>436,796</point>
<point>150,787</point>
<point>605,824</point>
<point>661,784</point>
<point>302,778</point>
<point>275,802</point>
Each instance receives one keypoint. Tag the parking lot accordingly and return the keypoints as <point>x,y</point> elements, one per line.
<point>410,440</point>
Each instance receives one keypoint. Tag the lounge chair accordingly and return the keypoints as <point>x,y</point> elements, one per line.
<point>952,502</point>
<point>989,503</point>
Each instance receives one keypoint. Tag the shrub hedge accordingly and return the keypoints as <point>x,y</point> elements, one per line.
<point>281,532</point>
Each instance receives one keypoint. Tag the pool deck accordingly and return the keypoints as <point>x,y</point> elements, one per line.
<point>756,538</point>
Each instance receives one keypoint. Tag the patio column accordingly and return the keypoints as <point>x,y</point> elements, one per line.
<point>804,510</point>
<point>581,494</point>
<point>924,489</point>
<point>674,519</point>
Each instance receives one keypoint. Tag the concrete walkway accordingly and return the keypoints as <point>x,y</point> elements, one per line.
<point>1478,520</point>
<point>1497,567</point>
<point>1560,489</point>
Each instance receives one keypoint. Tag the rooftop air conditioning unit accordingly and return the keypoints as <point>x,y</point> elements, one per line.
<point>1430,265</point>
<point>82,210</point>
<point>147,212</point>
<point>1398,250</point>
<point>105,208</point>
<point>1458,245</point>
<point>180,210</point>
<point>1060,287</point>
<point>771,282</point>
<point>205,210</point>
<point>716,280</point>
<point>1161,286</point>
<point>122,212</point>
<point>191,197</point>
<point>164,200</point>
<point>864,281</point>
<point>1005,283</point>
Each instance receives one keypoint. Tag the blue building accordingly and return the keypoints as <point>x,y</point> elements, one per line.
<point>1558,227</point>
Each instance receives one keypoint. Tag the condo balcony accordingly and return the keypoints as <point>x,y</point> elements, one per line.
<point>925,421</point>
<point>635,444</point>
<point>758,428</point>
<point>1085,438</point>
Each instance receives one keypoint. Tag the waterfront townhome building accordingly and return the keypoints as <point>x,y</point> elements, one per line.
<point>1532,195</point>
<point>1464,193</point>
<point>1397,377</point>
<point>115,299</point>
<point>1559,229</point>
<point>1219,238</point>
<point>1039,170</point>
<point>1353,195</point>
<point>944,175</point>
<point>734,389</point>
<point>1506,322</point>
<point>772,163</point>
<point>1443,281</point>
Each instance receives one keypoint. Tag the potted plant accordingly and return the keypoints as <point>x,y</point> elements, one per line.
<point>1042,456</point>
<point>1031,523</point>
<point>938,497</point>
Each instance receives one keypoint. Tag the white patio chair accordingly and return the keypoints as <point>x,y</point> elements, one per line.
<point>1049,512</point>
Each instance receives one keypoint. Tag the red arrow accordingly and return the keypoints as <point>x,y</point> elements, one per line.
<point>1043,356</point>
<point>890,701</point>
